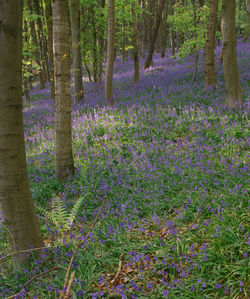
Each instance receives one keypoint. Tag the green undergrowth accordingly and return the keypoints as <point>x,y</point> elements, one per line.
<point>175,177</point>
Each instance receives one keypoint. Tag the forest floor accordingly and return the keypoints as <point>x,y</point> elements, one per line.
<point>171,164</point>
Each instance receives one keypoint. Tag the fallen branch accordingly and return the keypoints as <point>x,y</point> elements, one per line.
<point>68,291</point>
<point>196,216</point>
<point>32,279</point>
<point>22,251</point>
<point>119,269</point>
<point>178,252</point>
<point>80,243</point>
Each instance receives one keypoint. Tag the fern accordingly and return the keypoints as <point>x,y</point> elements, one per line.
<point>59,215</point>
<point>75,209</point>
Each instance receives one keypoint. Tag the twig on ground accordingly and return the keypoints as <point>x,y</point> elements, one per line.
<point>68,291</point>
<point>119,269</point>
<point>196,216</point>
<point>22,251</point>
<point>14,245</point>
<point>80,243</point>
<point>177,249</point>
<point>32,279</point>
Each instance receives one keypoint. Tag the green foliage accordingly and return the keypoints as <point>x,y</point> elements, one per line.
<point>241,23</point>
<point>183,21</point>
<point>59,215</point>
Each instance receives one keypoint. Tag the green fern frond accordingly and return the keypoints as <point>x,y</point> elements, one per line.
<point>41,211</point>
<point>59,215</point>
<point>58,212</point>
<point>75,209</point>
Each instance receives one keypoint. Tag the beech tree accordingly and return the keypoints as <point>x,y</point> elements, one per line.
<point>38,52</point>
<point>15,197</point>
<point>63,140</point>
<point>153,38</point>
<point>48,14</point>
<point>135,45</point>
<point>230,66</point>
<point>210,78</point>
<point>76,48</point>
<point>111,53</point>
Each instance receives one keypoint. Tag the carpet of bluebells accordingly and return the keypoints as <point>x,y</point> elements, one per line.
<point>173,164</point>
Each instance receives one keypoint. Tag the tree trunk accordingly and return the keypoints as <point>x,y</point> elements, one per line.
<point>41,40</point>
<point>64,157</point>
<point>144,32</point>
<point>38,55</point>
<point>210,78</point>
<point>135,46</point>
<point>148,61</point>
<point>123,37</point>
<point>76,48</point>
<point>196,56</point>
<point>163,30</point>
<point>48,15</point>
<point>100,47</point>
<point>232,82</point>
<point>248,19</point>
<point>173,42</point>
<point>110,52</point>
<point>18,210</point>
<point>94,48</point>
<point>196,23</point>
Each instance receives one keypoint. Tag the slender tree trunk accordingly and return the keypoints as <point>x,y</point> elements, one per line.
<point>76,48</point>
<point>25,67</point>
<point>210,77</point>
<point>26,90</point>
<point>94,49</point>
<point>172,34</point>
<point>196,57</point>
<point>18,210</point>
<point>111,52</point>
<point>248,18</point>
<point>100,48</point>
<point>48,15</point>
<point>230,66</point>
<point>144,31</point>
<point>64,157</point>
<point>87,69</point>
<point>173,42</point>
<point>163,31</point>
<point>123,37</point>
<point>38,55</point>
<point>41,40</point>
<point>148,61</point>
<point>196,22</point>
<point>135,45</point>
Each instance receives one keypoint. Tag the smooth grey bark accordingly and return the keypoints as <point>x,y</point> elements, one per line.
<point>63,140</point>
<point>230,66</point>
<point>18,210</point>
<point>210,77</point>
<point>48,15</point>
<point>148,61</point>
<point>76,48</point>
<point>110,53</point>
